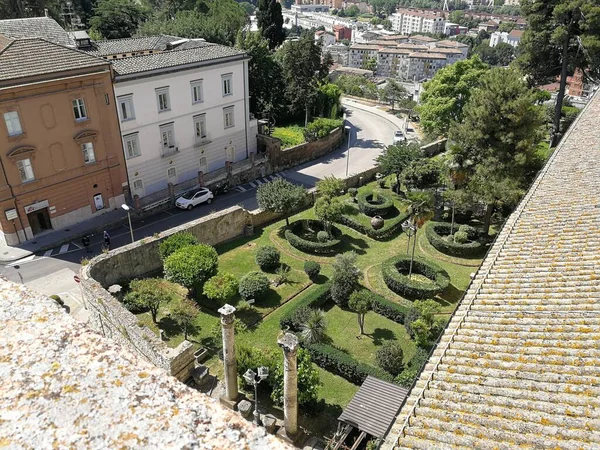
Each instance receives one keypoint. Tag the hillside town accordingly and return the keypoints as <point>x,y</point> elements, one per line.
<point>313,224</point>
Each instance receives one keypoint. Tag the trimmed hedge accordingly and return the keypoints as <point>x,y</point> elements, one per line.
<point>435,232</point>
<point>371,207</point>
<point>389,228</point>
<point>316,297</point>
<point>393,311</point>
<point>341,363</point>
<point>402,285</point>
<point>308,246</point>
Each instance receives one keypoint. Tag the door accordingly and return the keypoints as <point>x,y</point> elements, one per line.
<point>39,221</point>
<point>203,165</point>
<point>230,153</point>
<point>138,188</point>
<point>172,175</point>
<point>98,202</point>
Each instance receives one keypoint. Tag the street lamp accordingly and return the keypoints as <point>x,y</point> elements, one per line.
<point>128,209</point>
<point>347,128</point>
<point>410,230</point>
<point>254,379</point>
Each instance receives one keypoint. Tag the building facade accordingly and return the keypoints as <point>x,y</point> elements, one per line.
<point>60,147</point>
<point>408,21</point>
<point>183,109</point>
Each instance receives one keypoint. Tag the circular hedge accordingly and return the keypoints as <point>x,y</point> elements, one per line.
<point>297,235</point>
<point>374,204</point>
<point>394,270</point>
<point>436,233</point>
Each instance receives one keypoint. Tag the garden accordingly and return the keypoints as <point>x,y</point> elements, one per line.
<point>363,297</point>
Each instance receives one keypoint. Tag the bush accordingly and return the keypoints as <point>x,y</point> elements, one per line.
<point>312,269</point>
<point>152,293</point>
<point>57,299</point>
<point>267,258</point>
<point>322,236</point>
<point>390,228</point>
<point>344,280</point>
<point>389,357</point>
<point>344,365</point>
<point>320,128</point>
<point>386,308</point>
<point>315,297</point>
<point>353,192</point>
<point>472,232</point>
<point>410,288</point>
<point>191,266</point>
<point>374,204</point>
<point>221,288</point>
<point>460,237</point>
<point>412,371</point>
<point>297,228</point>
<point>173,243</point>
<point>253,285</point>
<point>435,232</point>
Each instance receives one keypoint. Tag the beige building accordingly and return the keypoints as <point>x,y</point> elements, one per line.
<point>60,147</point>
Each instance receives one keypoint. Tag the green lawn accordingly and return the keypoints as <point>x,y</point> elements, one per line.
<point>290,135</point>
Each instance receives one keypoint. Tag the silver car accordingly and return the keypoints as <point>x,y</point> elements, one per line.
<point>194,197</point>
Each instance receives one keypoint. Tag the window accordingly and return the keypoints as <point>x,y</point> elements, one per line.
<point>200,127</point>
<point>203,164</point>
<point>226,82</point>
<point>13,123</point>
<point>197,94</point>
<point>25,170</point>
<point>228,117</point>
<point>138,187</point>
<point>132,146</point>
<point>126,108</point>
<point>172,175</point>
<point>162,97</point>
<point>88,153</point>
<point>79,109</point>
<point>167,138</point>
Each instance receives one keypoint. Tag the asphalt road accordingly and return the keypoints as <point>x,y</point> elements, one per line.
<point>52,272</point>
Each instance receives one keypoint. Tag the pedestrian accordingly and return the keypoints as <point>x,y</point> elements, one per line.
<point>107,240</point>
<point>85,240</point>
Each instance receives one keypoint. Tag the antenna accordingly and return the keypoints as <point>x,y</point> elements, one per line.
<point>446,8</point>
<point>491,3</point>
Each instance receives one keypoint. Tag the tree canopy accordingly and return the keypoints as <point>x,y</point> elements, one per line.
<point>269,20</point>
<point>280,196</point>
<point>393,92</point>
<point>396,158</point>
<point>116,19</point>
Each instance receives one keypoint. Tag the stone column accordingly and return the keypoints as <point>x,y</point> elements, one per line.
<point>289,343</point>
<point>229,361</point>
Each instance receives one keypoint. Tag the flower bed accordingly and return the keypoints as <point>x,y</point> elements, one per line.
<point>374,203</point>
<point>436,233</point>
<point>302,234</point>
<point>394,270</point>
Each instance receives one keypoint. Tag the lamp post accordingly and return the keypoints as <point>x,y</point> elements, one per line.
<point>347,128</point>
<point>128,209</point>
<point>254,379</point>
<point>410,230</point>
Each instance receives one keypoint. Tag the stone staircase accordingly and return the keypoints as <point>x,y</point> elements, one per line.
<point>519,364</point>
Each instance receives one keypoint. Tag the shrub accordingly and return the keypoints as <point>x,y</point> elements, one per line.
<point>390,228</point>
<point>353,192</point>
<point>150,294</point>
<point>435,232</point>
<point>267,258</point>
<point>296,229</point>
<point>330,186</point>
<point>253,285</point>
<point>191,266</point>
<point>344,365</point>
<point>308,380</point>
<point>312,268</point>
<point>410,288</point>
<point>344,280</point>
<point>461,237</point>
<point>173,243</point>
<point>320,128</point>
<point>57,299</point>
<point>389,357</point>
<point>386,308</point>
<point>472,232</point>
<point>314,298</point>
<point>322,236</point>
<point>409,375</point>
<point>374,204</point>
<point>221,288</point>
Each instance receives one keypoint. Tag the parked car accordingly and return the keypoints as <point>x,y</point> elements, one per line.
<point>194,197</point>
<point>399,136</point>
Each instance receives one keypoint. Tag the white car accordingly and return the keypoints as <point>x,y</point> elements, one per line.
<point>193,198</point>
<point>399,136</point>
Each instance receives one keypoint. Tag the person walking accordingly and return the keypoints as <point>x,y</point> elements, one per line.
<point>107,240</point>
<point>85,240</point>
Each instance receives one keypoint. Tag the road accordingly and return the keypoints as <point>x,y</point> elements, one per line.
<point>52,272</point>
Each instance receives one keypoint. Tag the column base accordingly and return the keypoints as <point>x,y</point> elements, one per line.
<point>281,434</point>
<point>231,404</point>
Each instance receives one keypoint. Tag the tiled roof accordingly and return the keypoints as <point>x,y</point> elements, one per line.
<point>139,44</point>
<point>422,38</point>
<point>451,44</point>
<point>426,55</point>
<point>35,27</point>
<point>516,33</point>
<point>173,58</point>
<point>364,47</point>
<point>519,364</point>
<point>31,57</point>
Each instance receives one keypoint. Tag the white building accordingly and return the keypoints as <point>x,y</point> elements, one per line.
<point>408,21</point>
<point>325,38</point>
<point>339,53</point>
<point>360,54</point>
<point>183,106</point>
<point>513,38</point>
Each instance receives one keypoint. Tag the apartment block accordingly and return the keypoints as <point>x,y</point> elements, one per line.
<point>408,21</point>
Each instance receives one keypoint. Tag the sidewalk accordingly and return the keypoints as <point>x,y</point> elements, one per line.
<point>53,239</point>
<point>397,121</point>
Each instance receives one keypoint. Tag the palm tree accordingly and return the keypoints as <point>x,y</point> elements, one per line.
<point>420,210</point>
<point>313,329</point>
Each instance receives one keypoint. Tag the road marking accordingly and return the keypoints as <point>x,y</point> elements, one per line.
<point>48,252</point>
<point>240,188</point>
<point>252,184</point>
<point>265,180</point>
<point>21,261</point>
<point>258,181</point>
<point>63,248</point>
<point>275,176</point>
<point>78,246</point>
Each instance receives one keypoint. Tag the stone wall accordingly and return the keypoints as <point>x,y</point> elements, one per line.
<point>435,148</point>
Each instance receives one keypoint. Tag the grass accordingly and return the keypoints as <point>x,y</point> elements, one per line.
<point>394,215</point>
<point>290,135</point>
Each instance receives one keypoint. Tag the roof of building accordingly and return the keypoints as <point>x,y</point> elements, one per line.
<point>396,51</point>
<point>374,407</point>
<point>393,37</point>
<point>518,34</point>
<point>35,27</point>
<point>445,51</point>
<point>451,44</point>
<point>413,47</point>
<point>383,43</point>
<point>174,58</point>
<point>364,47</point>
<point>66,386</point>
<point>420,37</point>
<point>354,71</point>
<point>139,44</point>
<point>519,364</point>
<point>32,57</point>
<point>427,55</point>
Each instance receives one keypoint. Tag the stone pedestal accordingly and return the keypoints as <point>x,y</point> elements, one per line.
<point>289,345</point>
<point>269,422</point>
<point>245,408</point>
<point>229,362</point>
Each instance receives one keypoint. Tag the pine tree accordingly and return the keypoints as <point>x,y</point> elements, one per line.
<point>269,20</point>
